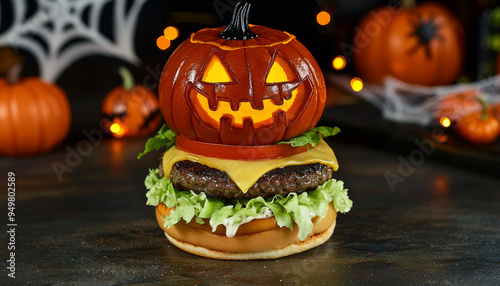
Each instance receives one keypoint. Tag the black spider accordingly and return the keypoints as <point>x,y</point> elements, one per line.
<point>425,31</point>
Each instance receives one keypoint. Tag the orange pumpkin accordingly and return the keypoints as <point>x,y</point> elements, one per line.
<point>243,85</point>
<point>130,110</point>
<point>35,115</point>
<point>419,45</point>
<point>480,127</point>
<point>457,105</point>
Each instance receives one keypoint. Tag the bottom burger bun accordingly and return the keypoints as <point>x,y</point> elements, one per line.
<point>257,239</point>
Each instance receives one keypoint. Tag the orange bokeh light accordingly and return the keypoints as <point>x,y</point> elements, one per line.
<point>171,33</point>
<point>339,62</point>
<point>445,121</point>
<point>441,138</point>
<point>323,18</point>
<point>117,130</point>
<point>162,42</point>
<point>356,84</point>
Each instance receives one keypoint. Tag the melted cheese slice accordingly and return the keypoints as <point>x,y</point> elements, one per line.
<point>245,173</point>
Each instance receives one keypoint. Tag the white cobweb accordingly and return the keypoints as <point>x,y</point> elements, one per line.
<point>406,103</point>
<point>50,34</point>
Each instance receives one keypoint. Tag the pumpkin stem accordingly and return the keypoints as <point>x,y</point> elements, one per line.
<point>408,4</point>
<point>484,107</point>
<point>127,78</point>
<point>14,73</point>
<point>238,28</point>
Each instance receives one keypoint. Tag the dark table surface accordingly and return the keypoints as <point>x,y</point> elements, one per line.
<point>440,226</point>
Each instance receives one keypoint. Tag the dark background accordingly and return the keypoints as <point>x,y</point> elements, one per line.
<point>89,79</point>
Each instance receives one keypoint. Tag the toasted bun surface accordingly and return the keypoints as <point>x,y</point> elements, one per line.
<point>258,239</point>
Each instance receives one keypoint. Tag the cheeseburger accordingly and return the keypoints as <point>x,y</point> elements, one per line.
<point>246,174</point>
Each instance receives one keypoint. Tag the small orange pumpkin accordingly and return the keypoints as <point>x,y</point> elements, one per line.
<point>35,115</point>
<point>241,85</point>
<point>457,105</point>
<point>419,45</point>
<point>130,110</point>
<point>480,127</point>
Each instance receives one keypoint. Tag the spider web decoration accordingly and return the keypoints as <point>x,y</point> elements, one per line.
<point>63,31</point>
<point>406,103</point>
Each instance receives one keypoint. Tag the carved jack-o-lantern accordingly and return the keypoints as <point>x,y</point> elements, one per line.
<point>241,86</point>
<point>130,110</point>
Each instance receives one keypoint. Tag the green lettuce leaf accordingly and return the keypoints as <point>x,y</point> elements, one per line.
<point>293,208</point>
<point>312,137</point>
<point>164,138</point>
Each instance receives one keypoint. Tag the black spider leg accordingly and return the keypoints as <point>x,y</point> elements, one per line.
<point>152,116</point>
<point>437,36</point>
<point>425,31</point>
<point>415,23</point>
<point>428,43</point>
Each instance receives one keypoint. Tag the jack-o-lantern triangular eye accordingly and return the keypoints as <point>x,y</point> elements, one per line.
<point>280,70</point>
<point>216,71</point>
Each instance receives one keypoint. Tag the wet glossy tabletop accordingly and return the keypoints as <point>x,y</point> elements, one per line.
<point>441,226</point>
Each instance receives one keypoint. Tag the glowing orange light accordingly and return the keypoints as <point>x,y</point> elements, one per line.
<point>171,33</point>
<point>117,148</point>
<point>339,62</point>
<point>441,138</point>
<point>162,42</point>
<point>258,116</point>
<point>445,121</point>
<point>323,18</point>
<point>442,185</point>
<point>356,84</point>
<point>117,130</point>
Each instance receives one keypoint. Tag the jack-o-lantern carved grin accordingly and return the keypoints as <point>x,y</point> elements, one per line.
<point>282,94</point>
<point>133,108</point>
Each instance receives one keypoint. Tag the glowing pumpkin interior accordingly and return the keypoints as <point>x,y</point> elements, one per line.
<point>217,72</point>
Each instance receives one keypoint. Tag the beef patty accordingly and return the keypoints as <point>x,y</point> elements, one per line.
<point>188,175</point>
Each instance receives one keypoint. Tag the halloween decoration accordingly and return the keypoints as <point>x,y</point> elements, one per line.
<point>70,30</point>
<point>130,110</point>
<point>457,105</point>
<point>406,103</point>
<point>229,186</point>
<point>35,115</point>
<point>480,127</point>
<point>242,85</point>
<point>419,45</point>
